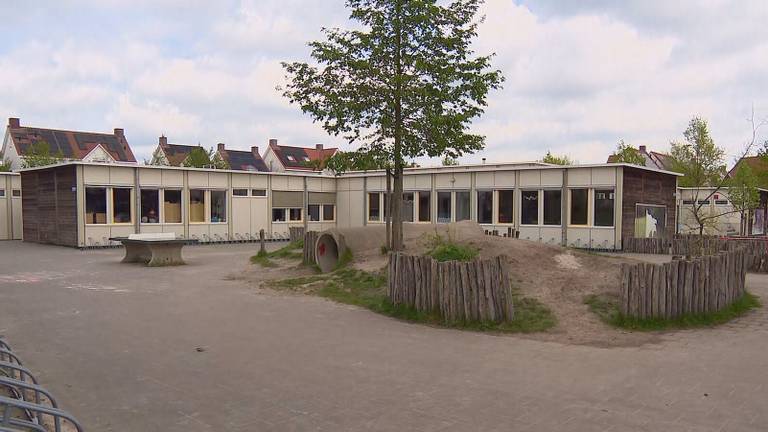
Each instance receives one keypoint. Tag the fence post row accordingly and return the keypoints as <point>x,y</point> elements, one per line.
<point>477,290</point>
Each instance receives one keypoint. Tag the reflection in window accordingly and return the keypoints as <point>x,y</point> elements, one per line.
<point>604,207</point>
<point>196,205</point>
<point>374,206</point>
<point>443,207</point>
<point>650,221</point>
<point>579,204</point>
<point>425,207</point>
<point>172,206</point>
<point>530,208</point>
<point>121,205</point>
<point>552,207</point>
<point>484,207</point>
<point>506,205</point>
<point>150,206</point>
<point>313,211</point>
<point>294,214</point>
<point>278,215</point>
<point>218,206</point>
<point>462,206</point>
<point>95,205</point>
<point>329,212</point>
<point>407,210</point>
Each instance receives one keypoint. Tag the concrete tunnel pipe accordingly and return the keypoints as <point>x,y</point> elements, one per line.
<point>327,252</point>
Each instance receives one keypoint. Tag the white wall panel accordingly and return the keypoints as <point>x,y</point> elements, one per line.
<point>579,177</point>
<point>150,177</point>
<point>504,179</point>
<point>198,179</point>
<point>552,177</point>
<point>173,178</point>
<point>529,178</point>
<point>603,176</point>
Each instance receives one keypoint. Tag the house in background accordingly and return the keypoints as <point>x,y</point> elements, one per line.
<point>170,154</point>
<point>653,159</point>
<point>281,158</point>
<point>72,145</point>
<point>240,160</point>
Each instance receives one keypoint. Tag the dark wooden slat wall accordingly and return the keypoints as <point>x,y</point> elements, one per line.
<point>647,187</point>
<point>50,205</point>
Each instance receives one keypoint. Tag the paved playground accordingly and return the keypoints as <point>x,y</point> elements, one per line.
<point>193,348</point>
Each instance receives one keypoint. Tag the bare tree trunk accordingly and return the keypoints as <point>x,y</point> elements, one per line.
<point>397,199</point>
<point>388,209</point>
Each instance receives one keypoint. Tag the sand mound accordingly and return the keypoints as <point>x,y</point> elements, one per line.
<point>559,277</point>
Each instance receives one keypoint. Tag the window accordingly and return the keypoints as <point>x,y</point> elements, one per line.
<point>121,205</point>
<point>484,207</point>
<point>650,221</point>
<point>462,206</point>
<point>150,206</point>
<point>291,158</point>
<point>407,210</point>
<point>196,205</point>
<point>2,192</point>
<point>579,204</point>
<point>530,208</point>
<point>604,207</point>
<point>294,214</point>
<point>374,207</point>
<point>218,206</point>
<point>278,215</point>
<point>240,192</point>
<point>443,207</point>
<point>721,202</point>
<point>552,207</point>
<point>17,193</point>
<point>95,205</point>
<point>172,206</point>
<point>688,202</point>
<point>259,192</point>
<point>329,212</point>
<point>425,207</point>
<point>703,202</point>
<point>313,211</point>
<point>506,205</point>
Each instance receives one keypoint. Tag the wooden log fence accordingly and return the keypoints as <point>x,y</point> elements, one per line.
<point>646,245</point>
<point>471,291</point>
<point>700,285</point>
<point>295,233</point>
<point>310,238</point>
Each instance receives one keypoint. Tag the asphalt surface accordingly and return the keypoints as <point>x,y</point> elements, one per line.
<point>130,348</point>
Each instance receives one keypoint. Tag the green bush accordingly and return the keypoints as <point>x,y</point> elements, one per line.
<point>453,252</point>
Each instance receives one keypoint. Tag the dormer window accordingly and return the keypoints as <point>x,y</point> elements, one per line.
<point>306,158</point>
<point>291,158</point>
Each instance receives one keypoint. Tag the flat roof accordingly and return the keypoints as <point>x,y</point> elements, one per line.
<point>509,166</point>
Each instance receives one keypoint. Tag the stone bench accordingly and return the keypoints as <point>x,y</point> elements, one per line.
<point>154,250</point>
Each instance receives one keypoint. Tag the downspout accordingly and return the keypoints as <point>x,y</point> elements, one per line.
<point>564,209</point>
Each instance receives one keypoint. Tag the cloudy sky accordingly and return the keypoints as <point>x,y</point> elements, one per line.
<point>580,75</point>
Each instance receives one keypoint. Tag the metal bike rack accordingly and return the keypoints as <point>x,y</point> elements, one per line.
<point>17,414</point>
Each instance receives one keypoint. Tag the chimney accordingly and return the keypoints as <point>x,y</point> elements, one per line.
<point>642,149</point>
<point>483,161</point>
<point>255,150</point>
<point>319,147</point>
<point>119,132</point>
<point>14,122</point>
<point>272,141</point>
<point>220,147</point>
<point>163,140</point>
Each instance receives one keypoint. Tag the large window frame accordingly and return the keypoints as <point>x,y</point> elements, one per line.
<point>548,214</point>
<point>421,198</point>
<point>167,204</point>
<point>217,212</point>
<point>497,207</point>
<point>442,217</point>
<point>118,205</point>
<point>524,207</point>
<point>571,201</point>
<point>148,204</point>
<point>612,198</point>
<point>92,207</point>
<point>195,198</point>
<point>482,206</point>
<point>460,196</point>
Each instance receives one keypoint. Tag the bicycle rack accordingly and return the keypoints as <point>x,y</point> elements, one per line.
<point>20,382</point>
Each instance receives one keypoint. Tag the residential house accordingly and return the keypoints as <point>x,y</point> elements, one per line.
<point>71,145</point>
<point>240,160</point>
<point>281,158</point>
<point>653,159</point>
<point>170,154</point>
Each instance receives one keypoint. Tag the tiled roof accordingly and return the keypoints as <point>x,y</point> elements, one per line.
<point>299,157</point>
<point>72,144</point>
<point>243,160</point>
<point>653,159</point>
<point>758,164</point>
<point>176,153</point>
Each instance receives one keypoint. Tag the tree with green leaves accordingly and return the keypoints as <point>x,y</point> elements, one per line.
<point>449,161</point>
<point>199,157</point>
<point>744,195</point>
<point>39,154</point>
<point>404,83</point>
<point>5,165</point>
<point>698,157</point>
<point>556,160</point>
<point>625,153</point>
